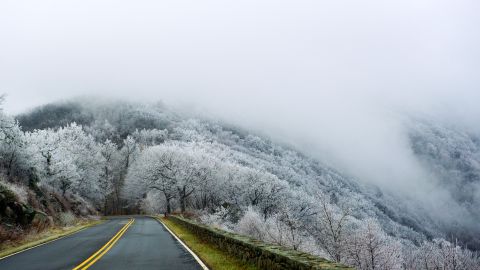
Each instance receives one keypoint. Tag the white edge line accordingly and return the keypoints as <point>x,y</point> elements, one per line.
<point>48,242</point>
<point>184,245</point>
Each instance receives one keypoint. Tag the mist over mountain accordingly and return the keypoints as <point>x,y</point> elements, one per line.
<point>324,126</point>
<point>451,158</point>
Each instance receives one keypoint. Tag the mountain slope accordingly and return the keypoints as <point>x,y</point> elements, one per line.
<point>452,155</point>
<point>116,120</point>
<point>310,185</point>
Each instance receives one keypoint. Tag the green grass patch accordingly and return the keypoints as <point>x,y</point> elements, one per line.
<point>34,239</point>
<point>214,258</point>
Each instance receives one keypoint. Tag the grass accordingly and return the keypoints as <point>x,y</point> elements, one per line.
<point>214,258</point>
<point>34,239</point>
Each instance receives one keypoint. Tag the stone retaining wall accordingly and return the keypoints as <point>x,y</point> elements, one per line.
<point>265,256</point>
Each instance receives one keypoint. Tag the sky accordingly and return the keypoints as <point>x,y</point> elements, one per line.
<point>327,76</point>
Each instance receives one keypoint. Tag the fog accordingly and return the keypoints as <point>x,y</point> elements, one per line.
<point>333,78</point>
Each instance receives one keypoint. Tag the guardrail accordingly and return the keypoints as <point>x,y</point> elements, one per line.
<point>265,256</point>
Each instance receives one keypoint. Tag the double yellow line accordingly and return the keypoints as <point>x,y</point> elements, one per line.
<point>102,251</point>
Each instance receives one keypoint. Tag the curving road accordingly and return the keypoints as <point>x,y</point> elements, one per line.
<point>119,243</point>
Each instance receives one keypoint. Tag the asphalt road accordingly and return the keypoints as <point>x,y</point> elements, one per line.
<point>146,244</point>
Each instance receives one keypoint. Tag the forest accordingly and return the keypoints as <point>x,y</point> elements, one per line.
<point>82,157</point>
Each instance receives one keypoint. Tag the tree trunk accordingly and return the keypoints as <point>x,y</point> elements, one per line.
<point>169,208</point>
<point>105,207</point>
<point>182,205</point>
<point>10,164</point>
<point>182,199</point>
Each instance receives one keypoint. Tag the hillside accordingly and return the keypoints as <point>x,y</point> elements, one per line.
<point>232,178</point>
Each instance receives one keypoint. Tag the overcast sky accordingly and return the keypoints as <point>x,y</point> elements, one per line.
<point>329,76</point>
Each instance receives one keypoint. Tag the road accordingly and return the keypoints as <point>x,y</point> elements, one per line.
<point>119,243</point>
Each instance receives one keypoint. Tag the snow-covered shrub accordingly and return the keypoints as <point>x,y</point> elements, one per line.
<point>20,191</point>
<point>219,219</point>
<point>252,224</point>
<point>66,219</point>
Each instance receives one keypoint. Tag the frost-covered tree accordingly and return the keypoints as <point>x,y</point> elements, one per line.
<point>368,247</point>
<point>83,149</point>
<point>109,161</point>
<point>65,159</point>
<point>43,145</point>
<point>174,169</point>
<point>331,227</point>
<point>150,137</point>
<point>280,229</point>
<point>263,190</point>
<point>154,169</point>
<point>12,145</point>
<point>441,254</point>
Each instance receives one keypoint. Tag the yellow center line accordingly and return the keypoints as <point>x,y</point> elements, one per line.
<point>104,246</point>
<point>97,255</point>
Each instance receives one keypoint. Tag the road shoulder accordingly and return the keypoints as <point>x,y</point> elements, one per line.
<point>46,237</point>
<point>213,258</point>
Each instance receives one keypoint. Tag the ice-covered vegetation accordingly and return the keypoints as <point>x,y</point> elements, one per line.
<point>126,157</point>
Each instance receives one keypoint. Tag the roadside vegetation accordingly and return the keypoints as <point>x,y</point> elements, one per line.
<point>34,238</point>
<point>214,258</point>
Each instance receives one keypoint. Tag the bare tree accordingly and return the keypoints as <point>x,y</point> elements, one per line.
<point>331,227</point>
<point>370,248</point>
